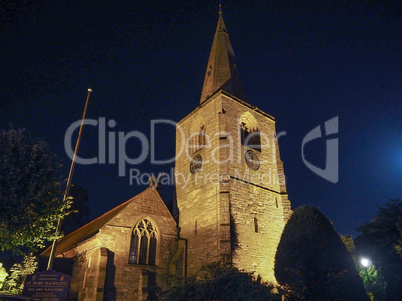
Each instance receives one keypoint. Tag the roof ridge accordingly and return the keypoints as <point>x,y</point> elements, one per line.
<point>112,212</point>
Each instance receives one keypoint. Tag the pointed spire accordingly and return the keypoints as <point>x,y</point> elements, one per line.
<point>221,70</point>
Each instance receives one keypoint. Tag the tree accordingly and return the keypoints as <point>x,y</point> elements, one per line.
<point>220,282</point>
<point>312,263</point>
<point>81,210</point>
<point>379,241</point>
<point>373,280</point>
<point>30,191</point>
<point>3,274</point>
<point>14,283</point>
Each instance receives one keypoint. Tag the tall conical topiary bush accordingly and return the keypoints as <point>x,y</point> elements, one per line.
<point>312,263</point>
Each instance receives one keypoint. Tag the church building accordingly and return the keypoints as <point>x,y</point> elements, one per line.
<point>232,209</point>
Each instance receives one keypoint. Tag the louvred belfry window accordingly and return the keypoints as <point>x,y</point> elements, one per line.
<point>201,137</point>
<point>249,132</point>
<point>143,243</point>
<point>198,139</point>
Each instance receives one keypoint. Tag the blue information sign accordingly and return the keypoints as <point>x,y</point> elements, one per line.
<point>47,286</point>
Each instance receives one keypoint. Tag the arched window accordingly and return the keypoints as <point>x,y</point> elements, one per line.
<point>249,132</point>
<point>143,243</point>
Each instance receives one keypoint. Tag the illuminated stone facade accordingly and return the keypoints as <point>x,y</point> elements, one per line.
<point>235,205</point>
<point>103,267</point>
<point>231,199</point>
<point>228,210</point>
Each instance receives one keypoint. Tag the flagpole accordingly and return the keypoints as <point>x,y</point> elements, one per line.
<point>68,186</point>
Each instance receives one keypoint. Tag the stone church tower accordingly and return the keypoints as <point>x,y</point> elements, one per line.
<point>230,187</point>
<point>230,193</point>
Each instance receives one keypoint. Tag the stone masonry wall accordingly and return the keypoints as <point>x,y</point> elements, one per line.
<point>228,210</point>
<point>258,198</point>
<point>198,199</point>
<point>124,281</point>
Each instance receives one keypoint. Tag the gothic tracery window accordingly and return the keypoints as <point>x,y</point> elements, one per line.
<point>143,243</point>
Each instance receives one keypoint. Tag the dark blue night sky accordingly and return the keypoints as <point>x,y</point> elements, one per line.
<point>303,62</point>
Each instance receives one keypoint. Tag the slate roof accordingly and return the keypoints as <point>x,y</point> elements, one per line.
<point>70,240</point>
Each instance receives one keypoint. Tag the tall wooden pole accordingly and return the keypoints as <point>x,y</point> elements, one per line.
<point>68,186</point>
